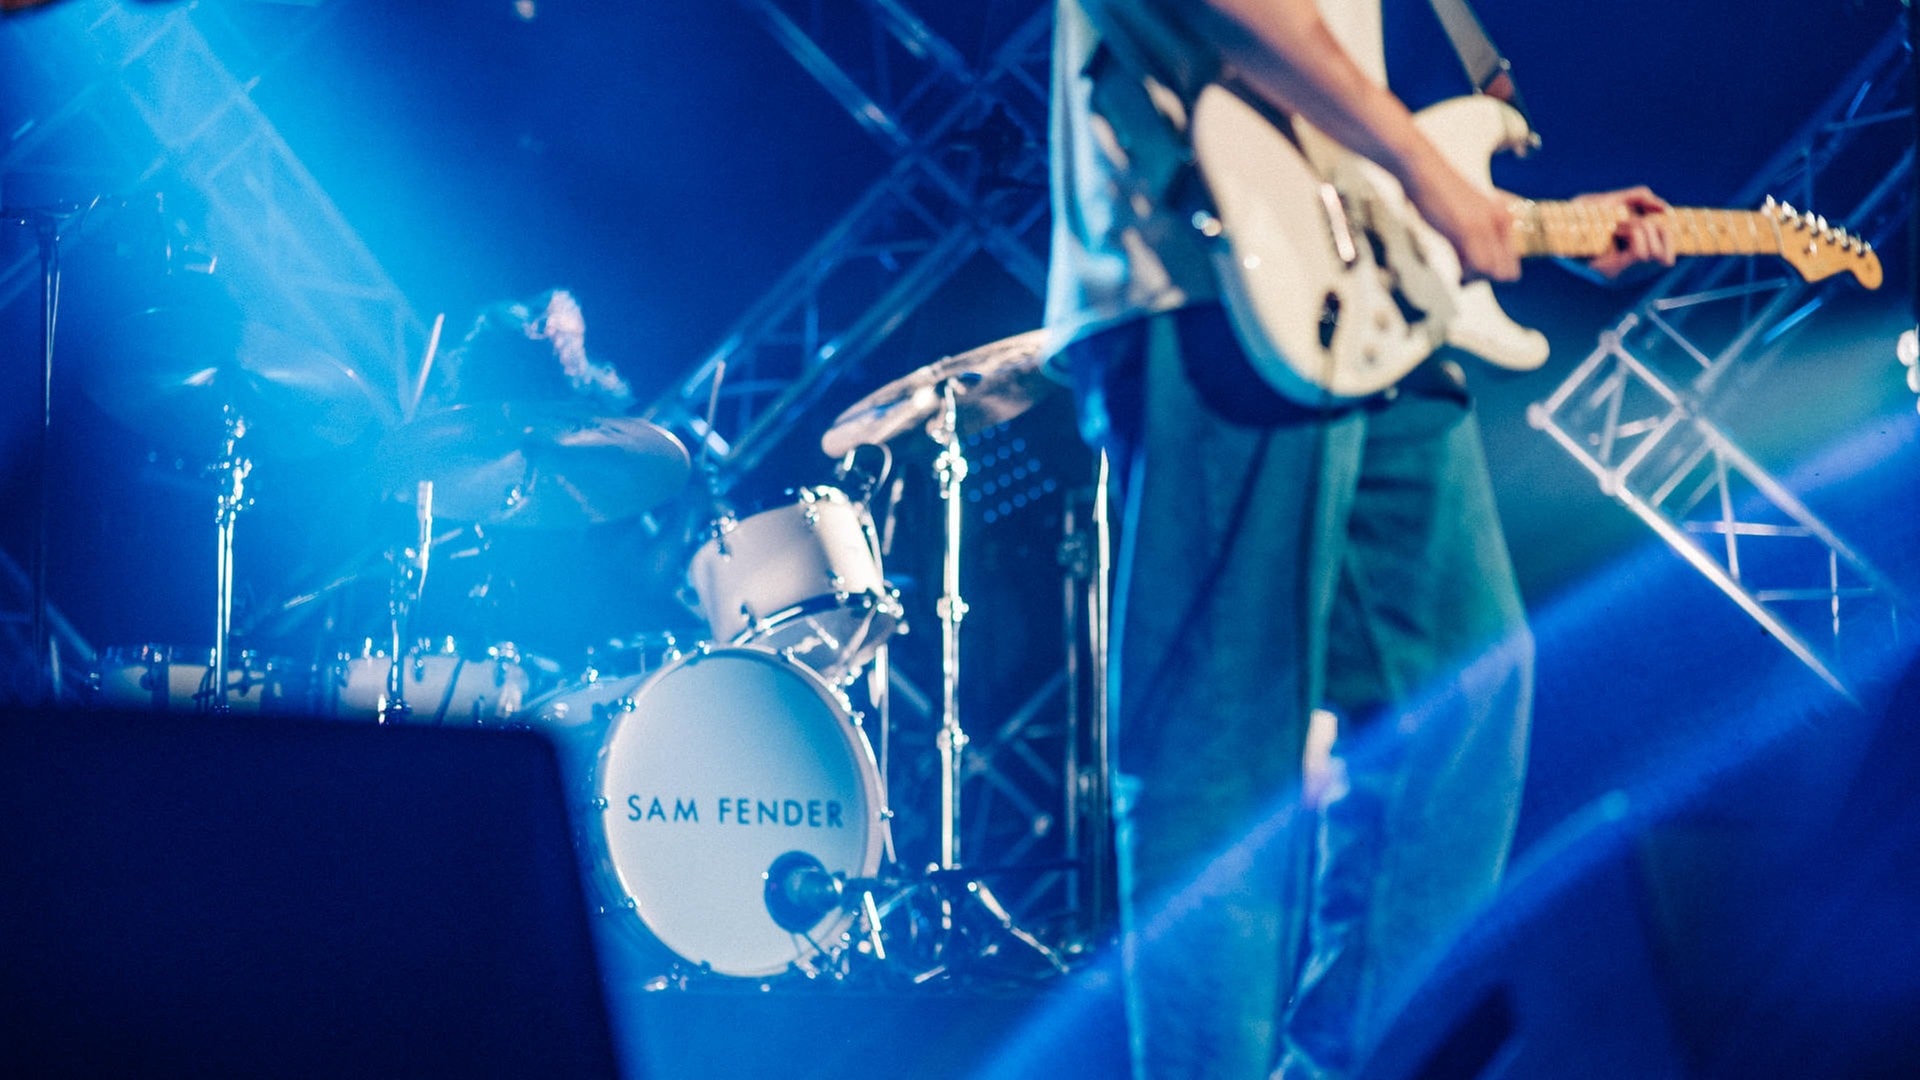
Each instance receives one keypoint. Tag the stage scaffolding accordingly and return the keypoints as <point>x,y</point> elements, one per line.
<point>147,92</point>
<point>1639,412</point>
<point>968,176</point>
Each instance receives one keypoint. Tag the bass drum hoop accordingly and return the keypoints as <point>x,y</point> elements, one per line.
<point>624,889</point>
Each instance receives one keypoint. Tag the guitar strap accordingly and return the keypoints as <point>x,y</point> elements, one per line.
<point>1133,38</point>
<point>1487,70</point>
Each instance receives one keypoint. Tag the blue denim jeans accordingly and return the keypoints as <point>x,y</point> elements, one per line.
<point>1272,559</point>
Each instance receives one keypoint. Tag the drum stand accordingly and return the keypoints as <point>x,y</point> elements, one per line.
<point>951,468</point>
<point>409,581</point>
<point>232,469</point>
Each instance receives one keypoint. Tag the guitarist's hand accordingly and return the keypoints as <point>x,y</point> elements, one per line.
<point>1478,223</point>
<point>1644,233</point>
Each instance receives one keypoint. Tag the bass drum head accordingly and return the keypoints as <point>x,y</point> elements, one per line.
<point>719,766</point>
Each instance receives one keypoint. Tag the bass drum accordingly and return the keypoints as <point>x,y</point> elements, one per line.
<point>717,771</point>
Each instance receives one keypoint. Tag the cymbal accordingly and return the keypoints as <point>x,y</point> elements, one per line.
<point>535,465</point>
<point>992,384</point>
<point>169,375</point>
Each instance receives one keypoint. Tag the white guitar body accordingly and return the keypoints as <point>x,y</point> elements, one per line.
<point>1336,286</point>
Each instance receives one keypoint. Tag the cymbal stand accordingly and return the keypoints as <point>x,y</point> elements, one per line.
<point>409,581</point>
<point>232,469</point>
<point>951,469</point>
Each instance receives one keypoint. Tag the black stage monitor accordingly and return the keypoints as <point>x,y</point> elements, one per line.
<point>183,896</point>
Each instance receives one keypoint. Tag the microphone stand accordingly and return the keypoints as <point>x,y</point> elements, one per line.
<point>47,222</point>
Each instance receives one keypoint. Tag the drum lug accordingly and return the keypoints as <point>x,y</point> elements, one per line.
<point>718,531</point>
<point>605,712</point>
<point>755,626</point>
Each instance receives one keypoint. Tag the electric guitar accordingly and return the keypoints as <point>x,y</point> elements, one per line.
<point>1337,287</point>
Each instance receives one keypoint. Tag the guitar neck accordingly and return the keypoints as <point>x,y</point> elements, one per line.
<point>1581,230</point>
<point>1584,229</point>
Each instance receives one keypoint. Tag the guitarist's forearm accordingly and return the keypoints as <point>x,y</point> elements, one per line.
<point>1283,51</point>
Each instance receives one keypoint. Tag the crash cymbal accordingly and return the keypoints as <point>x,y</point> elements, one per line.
<point>537,465</point>
<point>171,375</point>
<point>992,384</point>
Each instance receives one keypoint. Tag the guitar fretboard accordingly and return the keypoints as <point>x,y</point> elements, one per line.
<point>1582,230</point>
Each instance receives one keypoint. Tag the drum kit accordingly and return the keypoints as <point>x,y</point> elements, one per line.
<point>734,813</point>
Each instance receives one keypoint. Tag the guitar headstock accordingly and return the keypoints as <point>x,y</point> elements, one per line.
<point>1819,250</point>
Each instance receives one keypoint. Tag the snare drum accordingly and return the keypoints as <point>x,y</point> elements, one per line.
<point>803,579</point>
<point>713,773</point>
<point>442,687</point>
<point>169,678</point>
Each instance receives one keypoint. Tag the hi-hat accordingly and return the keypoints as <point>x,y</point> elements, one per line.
<point>992,384</point>
<point>537,465</point>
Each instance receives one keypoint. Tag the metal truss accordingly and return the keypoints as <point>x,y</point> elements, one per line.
<point>21,672</point>
<point>969,176</point>
<point>1637,413</point>
<point>282,244</point>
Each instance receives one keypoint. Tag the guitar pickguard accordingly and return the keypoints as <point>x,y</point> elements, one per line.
<point>1328,319</point>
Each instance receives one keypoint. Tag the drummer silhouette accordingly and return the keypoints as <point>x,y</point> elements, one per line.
<point>568,568</point>
<point>532,350</point>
